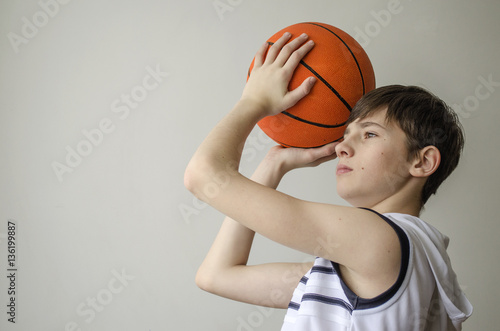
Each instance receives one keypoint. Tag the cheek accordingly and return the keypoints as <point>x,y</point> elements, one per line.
<point>395,171</point>
<point>376,163</point>
<point>384,168</point>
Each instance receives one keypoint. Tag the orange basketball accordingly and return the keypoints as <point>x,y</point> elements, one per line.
<point>344,74</point>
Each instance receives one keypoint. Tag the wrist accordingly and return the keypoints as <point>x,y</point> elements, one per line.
<point>269,173</point>
<point>255,106</point>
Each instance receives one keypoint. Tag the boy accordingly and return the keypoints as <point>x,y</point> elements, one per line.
<point>379,267</point>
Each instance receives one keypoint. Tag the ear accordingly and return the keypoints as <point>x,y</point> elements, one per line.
<point>427,162</point>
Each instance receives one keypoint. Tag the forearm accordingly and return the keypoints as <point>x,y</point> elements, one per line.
<point>265,94</point>
<point>220,153</point>
<point>212,175</point>
<point>233,243</point>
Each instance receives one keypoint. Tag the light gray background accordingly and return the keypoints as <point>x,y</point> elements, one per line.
<point>123,209</point>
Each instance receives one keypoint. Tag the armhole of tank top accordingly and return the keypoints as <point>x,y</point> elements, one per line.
<point>361,303</point>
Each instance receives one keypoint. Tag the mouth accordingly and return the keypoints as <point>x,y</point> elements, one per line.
<point>342,169</point>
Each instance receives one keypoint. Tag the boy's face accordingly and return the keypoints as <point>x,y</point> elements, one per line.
<point>373,166</point>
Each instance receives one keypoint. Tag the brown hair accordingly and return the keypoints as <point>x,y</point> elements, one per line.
<point>426,120</point>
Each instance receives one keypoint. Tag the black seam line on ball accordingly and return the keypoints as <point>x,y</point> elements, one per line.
<point>331,88</point>
<point>292,146</point>
<point>350,51</point>
<point>321,125</point>
<point>348,106</point>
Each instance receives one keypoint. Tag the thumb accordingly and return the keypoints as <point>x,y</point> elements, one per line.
<point>326,150</point>
<point>324,153</point>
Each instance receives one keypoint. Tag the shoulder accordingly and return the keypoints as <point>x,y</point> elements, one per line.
<point>384,255</point>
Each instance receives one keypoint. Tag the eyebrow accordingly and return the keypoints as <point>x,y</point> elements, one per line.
<point>365,125</point>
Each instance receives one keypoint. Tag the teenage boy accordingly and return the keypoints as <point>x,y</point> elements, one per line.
<point>378,266</point>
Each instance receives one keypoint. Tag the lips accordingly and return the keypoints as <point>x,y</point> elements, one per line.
<point>343,169</point>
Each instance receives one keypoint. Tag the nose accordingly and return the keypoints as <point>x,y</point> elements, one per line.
<point>344,149</point>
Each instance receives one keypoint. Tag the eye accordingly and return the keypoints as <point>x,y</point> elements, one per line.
<point>370,134</point>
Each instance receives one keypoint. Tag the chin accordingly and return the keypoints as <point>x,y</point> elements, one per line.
<point>345,192</point>
<point>346,196</point>
<point>353,200</point>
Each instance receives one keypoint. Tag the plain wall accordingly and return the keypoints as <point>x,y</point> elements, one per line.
<point>109,238</point>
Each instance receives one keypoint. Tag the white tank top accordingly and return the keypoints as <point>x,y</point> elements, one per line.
<point>426,295</point>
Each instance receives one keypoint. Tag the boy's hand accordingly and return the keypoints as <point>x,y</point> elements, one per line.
<point>267,86</point>
<point>292,158</point>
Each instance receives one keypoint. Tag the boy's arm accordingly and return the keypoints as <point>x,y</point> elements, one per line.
<point>225,272</point>
<point>355,238</point>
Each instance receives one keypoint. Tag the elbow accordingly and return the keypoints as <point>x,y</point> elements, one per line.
<point>213,278</point>
<point>192,178</point>
<point>188,179</point>
<point>202,178</point>
<point>205,281</point>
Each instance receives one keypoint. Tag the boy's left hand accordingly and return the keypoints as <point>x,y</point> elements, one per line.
<point>293,158</point>
<point>268,84</point>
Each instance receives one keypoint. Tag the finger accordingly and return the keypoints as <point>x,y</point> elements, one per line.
<point>289,48</point>
<point>292,97</point>
<point>330,146</point>
<point>296,56</point>
<point>323,154</point>
<point>260,55</point>
<point>323,160</point>
<point>275,49</point>
<point>327,150</point>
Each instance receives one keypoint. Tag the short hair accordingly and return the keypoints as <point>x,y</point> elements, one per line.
<point>426,120</point>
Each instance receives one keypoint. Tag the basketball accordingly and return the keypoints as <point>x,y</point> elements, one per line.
<point>344,74</point>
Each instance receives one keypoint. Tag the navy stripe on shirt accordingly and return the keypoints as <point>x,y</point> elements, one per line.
<point>294,305</point>
<point>323,270</point>
<point>327,300</point>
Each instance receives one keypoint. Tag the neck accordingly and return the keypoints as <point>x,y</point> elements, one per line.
<point>405,201</point>
<point>403,208</point>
